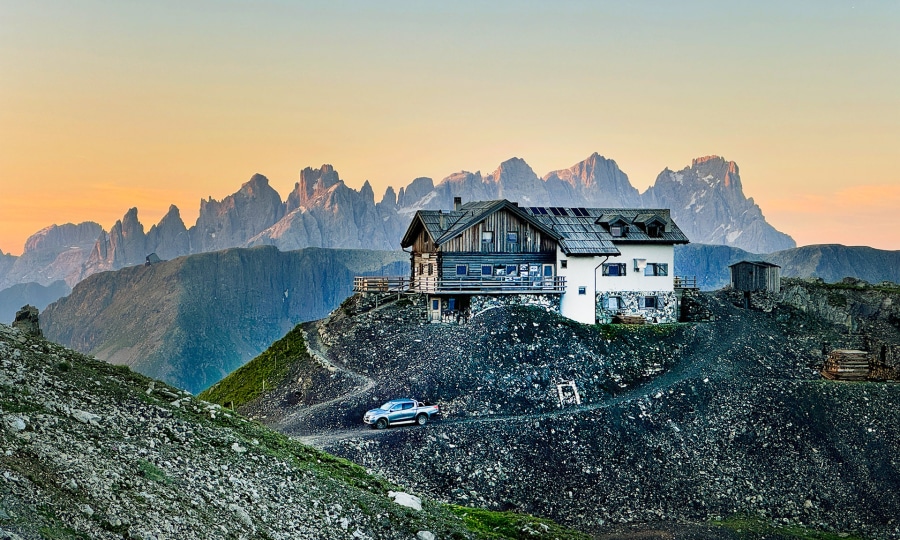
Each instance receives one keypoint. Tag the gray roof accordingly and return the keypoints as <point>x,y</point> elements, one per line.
<point>585,232</point>
<point>756,263</point>
<point>579,231</point>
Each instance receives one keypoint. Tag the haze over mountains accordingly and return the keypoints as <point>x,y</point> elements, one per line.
<point>706,199</point>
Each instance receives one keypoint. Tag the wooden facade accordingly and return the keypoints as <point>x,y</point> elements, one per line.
<point>509,246</point>
<point>751,276</point>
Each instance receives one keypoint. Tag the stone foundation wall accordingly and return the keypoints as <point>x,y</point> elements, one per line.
<point>665,312</point>
<point>550,302</point>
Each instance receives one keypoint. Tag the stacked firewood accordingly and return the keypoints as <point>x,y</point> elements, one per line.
<point>847,365</point>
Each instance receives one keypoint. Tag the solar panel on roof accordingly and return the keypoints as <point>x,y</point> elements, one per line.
<point>541,210</point>
<point>557,211</point>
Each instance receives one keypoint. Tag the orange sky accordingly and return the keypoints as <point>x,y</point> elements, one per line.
<point>106,105</point>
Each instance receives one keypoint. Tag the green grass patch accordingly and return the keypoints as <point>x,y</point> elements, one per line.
<point>743,524</point>
<point>614,331</point>
<point>152,472</point>
<point>500,525</point>
<point>265,371</point>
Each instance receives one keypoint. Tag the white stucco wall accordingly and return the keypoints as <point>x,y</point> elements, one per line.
<point>580,272</point>
<point>635,280</point>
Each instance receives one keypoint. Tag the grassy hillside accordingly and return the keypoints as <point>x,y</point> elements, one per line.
<point>266,371</point>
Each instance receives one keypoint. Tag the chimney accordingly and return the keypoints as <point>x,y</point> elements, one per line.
<point>441,218</point>
<point>457,203</point>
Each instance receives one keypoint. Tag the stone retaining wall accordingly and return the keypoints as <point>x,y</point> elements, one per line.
<point>550,302</point>
<point>665,312</point>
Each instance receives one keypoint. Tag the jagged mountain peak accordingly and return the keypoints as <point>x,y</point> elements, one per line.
<point>63,236</point>
<point>717,170</point>
<point>313,183</point>
<point>513,168</point>
<point>708,203</point>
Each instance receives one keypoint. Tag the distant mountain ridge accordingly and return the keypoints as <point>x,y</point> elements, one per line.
<point>830,262</point>
<point>191,320</point>
<point>706,199</point>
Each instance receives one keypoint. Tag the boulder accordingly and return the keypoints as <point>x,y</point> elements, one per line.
<point>28,321</point>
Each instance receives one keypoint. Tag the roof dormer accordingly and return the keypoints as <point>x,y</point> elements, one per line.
<point>652,224</point>
<point>615,224</point>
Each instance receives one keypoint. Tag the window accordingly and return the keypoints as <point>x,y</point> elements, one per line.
<point>649,302</point>
<point>563,263</point>
<point>614,303</point>
<point>614,269</point>
<point>548,270</point>
<point>430,269</point>
<point>462,269</point>
<point>421,268</point>
<point>582,290</point>
<point>656,269</point>
<point>654,230</point>
<point>512,237</point>
<point>511,269</point>
<point>487,237</point>
<point>407,406</point>
<point>435,305</point>
<point>487,270</point>
<point>617,231</point>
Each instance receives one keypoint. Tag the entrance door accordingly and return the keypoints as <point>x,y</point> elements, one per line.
<point>435,309</point>
<point>547,273</point>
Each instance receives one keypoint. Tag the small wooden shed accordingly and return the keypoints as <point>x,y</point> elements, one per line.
<point>750,276</point>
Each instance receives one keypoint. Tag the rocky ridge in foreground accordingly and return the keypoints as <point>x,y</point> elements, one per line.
<point>91,450</point>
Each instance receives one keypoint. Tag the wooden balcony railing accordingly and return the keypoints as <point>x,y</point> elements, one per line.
<point>685,282</point>
<point>468,285</point>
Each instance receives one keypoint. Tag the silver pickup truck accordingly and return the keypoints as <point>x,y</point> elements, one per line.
<point>400,411</point>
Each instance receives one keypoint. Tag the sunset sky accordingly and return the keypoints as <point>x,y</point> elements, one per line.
<point>105,105</point>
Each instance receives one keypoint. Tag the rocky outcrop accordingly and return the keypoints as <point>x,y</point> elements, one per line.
<point>28,321</point>
<point>192,320</point>
<point>707,201</point>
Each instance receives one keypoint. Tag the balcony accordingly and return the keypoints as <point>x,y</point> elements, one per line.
<point>468,285</point>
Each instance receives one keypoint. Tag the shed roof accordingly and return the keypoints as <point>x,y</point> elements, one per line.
<point>763,264</point>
